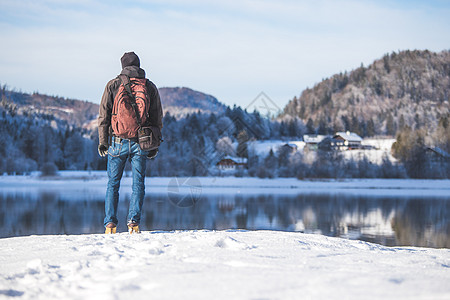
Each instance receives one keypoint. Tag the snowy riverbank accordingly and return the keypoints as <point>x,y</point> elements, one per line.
<point>218,265</point>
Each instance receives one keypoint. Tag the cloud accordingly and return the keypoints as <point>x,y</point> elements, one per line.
<point>231,49</point>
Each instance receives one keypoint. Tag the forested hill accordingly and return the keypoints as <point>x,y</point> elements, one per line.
<point>180,101</point>
<point>73,112</point>
<point>42,134</point>
<point>44,130</point>
<point>405,88</point>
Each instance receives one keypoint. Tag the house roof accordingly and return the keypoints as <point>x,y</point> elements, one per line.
<point>290,145</point>
<point>349,136</point>
<point>238,160</point>
<point>298,144</point>
<point>264,147</point>
<point>314,139</point>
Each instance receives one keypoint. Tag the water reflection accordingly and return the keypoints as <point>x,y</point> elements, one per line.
<point>390,221</point>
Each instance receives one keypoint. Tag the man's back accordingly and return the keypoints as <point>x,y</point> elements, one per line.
<point>119,148</point>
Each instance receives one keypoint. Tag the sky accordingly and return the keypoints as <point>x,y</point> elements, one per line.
<point>234,50</point>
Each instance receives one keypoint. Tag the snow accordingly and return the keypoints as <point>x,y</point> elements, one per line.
<point>374,156</point>
<point>380,144</point>
<point>300,145</point>
<point>262,148</point>
<point>66,110</point>
<point>381,147</point>
<point>218,265</point>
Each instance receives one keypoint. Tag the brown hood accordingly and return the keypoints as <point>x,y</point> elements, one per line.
<point>133,72</point>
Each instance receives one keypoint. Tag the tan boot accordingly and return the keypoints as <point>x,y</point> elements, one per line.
<point>110,228</point>
<point>133,228</point>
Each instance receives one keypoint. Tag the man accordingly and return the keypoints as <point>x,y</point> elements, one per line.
<point>123,147</point>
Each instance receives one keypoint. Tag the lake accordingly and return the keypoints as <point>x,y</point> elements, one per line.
<point>393,220</point>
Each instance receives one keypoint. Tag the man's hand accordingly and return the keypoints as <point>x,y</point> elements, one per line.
<point>102,150</point>
<point>152,154</point>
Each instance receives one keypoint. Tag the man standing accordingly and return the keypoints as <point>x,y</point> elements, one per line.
<point>121,143</point>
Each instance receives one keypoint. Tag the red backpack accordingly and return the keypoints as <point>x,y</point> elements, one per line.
<point>123,121</point>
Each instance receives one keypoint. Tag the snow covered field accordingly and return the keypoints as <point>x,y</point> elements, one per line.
<point>381,148</point>
<point>217,265</point>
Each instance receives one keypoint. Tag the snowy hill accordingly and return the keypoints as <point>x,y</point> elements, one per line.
<point>405,88</point>
<point>180,101</point>
<point>39,108</point>
<point>218,265</point>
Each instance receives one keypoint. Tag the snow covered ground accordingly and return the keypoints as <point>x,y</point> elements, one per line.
<point>381,148</point>
<point>217,265</point>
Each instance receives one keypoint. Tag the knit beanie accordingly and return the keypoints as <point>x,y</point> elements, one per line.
<point>130,59</point>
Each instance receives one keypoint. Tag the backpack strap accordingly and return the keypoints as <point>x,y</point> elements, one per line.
<point>127,84</point>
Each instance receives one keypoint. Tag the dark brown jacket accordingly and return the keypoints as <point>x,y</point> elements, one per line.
<point>106,105</point>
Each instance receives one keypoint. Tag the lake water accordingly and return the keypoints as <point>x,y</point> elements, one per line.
<point>388,220</point>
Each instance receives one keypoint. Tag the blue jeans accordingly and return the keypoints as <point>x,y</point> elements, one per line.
<point>118,153</point>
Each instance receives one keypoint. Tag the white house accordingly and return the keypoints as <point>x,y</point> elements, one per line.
<point>351,140</point>
<point>231,163</point>
<point>312,141</point>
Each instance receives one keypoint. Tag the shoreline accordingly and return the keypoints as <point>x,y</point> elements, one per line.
<point>237,185</point>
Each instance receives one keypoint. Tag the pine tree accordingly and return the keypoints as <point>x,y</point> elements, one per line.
<point>390,125</point>
<point>370,128</point>
<point>310,127</point>
<point>242,148</point>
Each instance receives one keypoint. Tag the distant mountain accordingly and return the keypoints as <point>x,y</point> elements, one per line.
<point>180,101</point>
<point>406,88</point>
